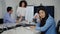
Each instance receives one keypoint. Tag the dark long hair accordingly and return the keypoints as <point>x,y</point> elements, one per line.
<point>43,21</point>
<point>20,4</point>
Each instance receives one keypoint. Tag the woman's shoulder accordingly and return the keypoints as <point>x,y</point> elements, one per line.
<point>50,19</point>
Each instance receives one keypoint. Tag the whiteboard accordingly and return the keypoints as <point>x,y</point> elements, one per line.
<point>30,12</point>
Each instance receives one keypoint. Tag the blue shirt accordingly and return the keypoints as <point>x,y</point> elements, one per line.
<point>7,18</point>
<point>49,27</point>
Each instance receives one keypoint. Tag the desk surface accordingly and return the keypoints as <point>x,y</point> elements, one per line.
<point>20,30</point>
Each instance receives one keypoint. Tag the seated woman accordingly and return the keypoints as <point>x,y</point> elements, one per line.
<point>21,10</point>
<point>46,25</point>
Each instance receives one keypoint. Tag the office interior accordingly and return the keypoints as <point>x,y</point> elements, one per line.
<point>52,6</point>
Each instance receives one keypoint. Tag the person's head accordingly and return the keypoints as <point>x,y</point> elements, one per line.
<point>42,12</point>
<point>43,15</point>
<point>9,10</point>
<point>22,4</point>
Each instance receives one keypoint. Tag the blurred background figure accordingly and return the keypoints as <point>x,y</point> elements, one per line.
<point>21,10</point>
<point>7,17</point>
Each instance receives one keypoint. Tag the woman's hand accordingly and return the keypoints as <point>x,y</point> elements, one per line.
<point>32,27</point>
<point>36,15</point>
<point>17,21</point>
<point>20,18</point>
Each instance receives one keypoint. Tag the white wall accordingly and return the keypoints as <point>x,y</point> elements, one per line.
<point>0,10</point>
<point>55,3</point>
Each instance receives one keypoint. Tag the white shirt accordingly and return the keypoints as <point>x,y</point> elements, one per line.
<point>21,11</point>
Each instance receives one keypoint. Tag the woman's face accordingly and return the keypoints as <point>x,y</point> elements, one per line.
<point>23,4</point>
<point>42,14</point>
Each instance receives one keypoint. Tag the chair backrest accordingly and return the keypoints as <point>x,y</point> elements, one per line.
<point>58,25</point>
<point>1,21</point>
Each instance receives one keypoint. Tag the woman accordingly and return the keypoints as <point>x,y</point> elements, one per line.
<point>46,25</point>
<point>21,11</point>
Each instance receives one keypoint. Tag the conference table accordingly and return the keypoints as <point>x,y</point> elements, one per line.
<point>18,28</point>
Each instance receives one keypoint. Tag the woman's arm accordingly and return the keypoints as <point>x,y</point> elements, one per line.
<point>47,25</point>
<point>38,26</point>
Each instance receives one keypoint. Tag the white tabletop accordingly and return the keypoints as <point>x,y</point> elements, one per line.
<point>19,30</point>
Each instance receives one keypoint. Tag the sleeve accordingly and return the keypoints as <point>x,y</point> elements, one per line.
<point>47,25</point>
<point>37,26</point>
<point>10,19</point>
